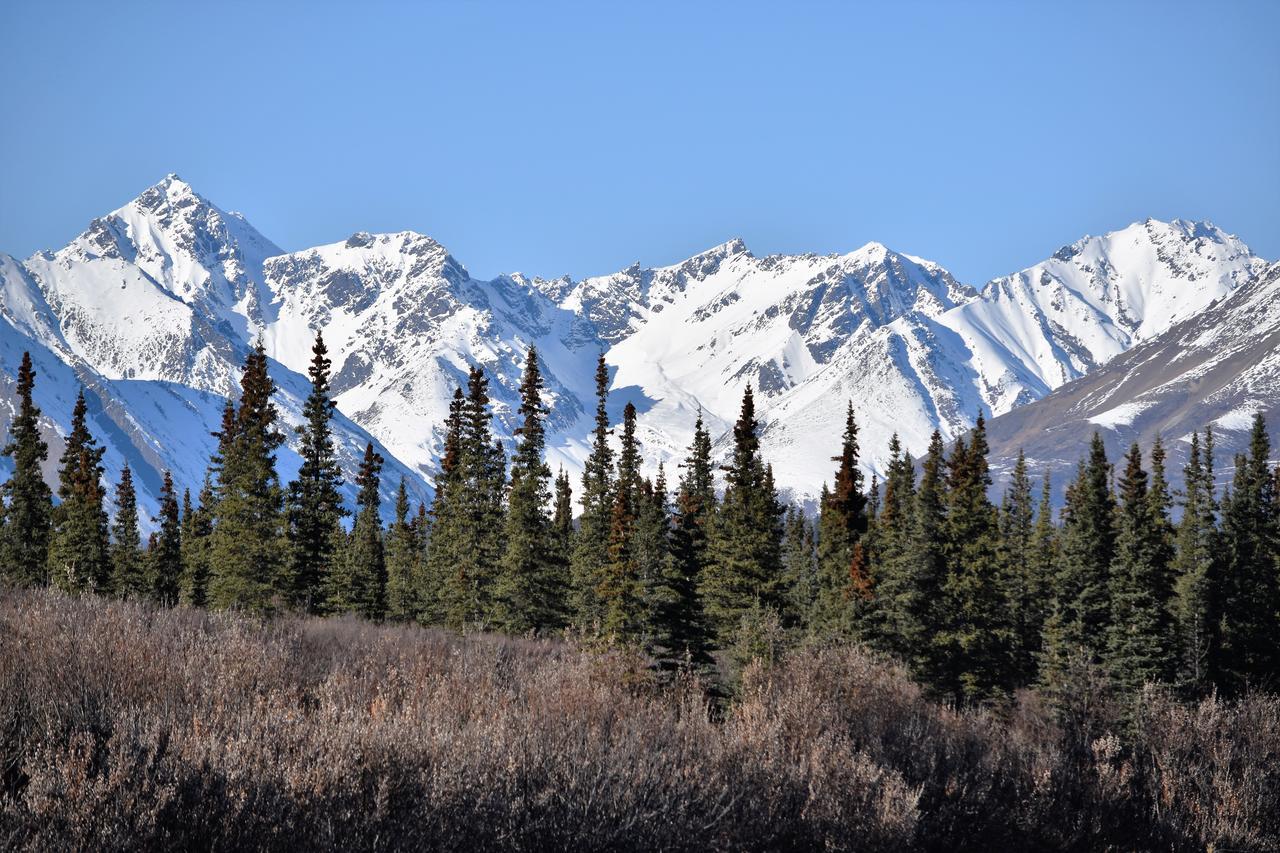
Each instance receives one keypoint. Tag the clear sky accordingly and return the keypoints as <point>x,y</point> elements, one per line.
<point>551,138</point>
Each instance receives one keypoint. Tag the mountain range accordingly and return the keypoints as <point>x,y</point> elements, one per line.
<point>1157,327</point>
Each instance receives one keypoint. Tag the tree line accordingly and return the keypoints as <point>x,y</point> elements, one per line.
<point>977,598</point>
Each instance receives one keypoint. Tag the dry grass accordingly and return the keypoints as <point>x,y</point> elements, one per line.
<point>123,726</point>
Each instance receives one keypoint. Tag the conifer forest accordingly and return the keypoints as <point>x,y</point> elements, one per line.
<point>922,655</point>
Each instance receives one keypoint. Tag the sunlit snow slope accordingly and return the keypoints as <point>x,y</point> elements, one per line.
<point>153,307</point>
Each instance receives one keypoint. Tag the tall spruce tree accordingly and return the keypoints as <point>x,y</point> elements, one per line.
<point>468,539</point>
<point>1197,571</point>
<point>1043,556</point>
<point>1248,648</point>
<point>562,535</point>
<point>443,603</point>
<point>800,566</point>
<point>591,546</point>
<point>528,592</point>
<point>358,581</point>
<point>912,601</point>
<point>128,571</point>
<point>1140,642</point>
<point>619,590</point>
<point>841,526</point>
<point>886,549</point>
<point>247,569</point>
<point>744,576</point>
<point>682,615</point>
<point>314,504</point>
<point>166,554</point>
<point>404,563</point>
<point>652,549</point>
<point>79,549</point>
<point>977,641</point>
<point>1077,628</point>
<point>197,527</point>
<point>24,540</point>
<point>1024,591</point>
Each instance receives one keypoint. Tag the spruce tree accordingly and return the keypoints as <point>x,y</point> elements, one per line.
<point>358,581</point>
<point>443,602</point>
<point>79,548</point>
<point>314,501</point>
<point>1248,648</point>
<point>1197,571</point>
<point>886,548</point>
<point>197,527</point>
<point>1076,631</point>
<point>841,525</point>
<point>591,546</point>
<point>652,548</point>
<point>744,576</point>
<point>800,566</point>
<point>128,572</point>
<point>562,536</point>
<point>1140,641</point>
<point>977,641</point>
<point>1042,568</point>
<point>166,556</point>
<point>247,569</point>
<point>619,589</point>
<point>528,592</point>
<point>1024,592</point>
<point>404,563</point>
<point>683,620</point>
<point>469,543</point>
<point>913,604</point>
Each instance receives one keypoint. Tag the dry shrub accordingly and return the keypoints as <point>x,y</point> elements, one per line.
<point>123,726</point>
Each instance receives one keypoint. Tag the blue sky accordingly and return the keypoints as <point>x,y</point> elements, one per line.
<point>556,138</point>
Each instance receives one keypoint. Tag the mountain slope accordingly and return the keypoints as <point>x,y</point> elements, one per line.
<point>152,310</point>
<point>153,307</point>
<point>1214,368</point>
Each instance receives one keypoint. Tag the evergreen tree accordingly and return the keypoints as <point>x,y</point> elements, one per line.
<point>245,545</point>
<point>1140,643</point>
<point>651,546</point>
<point>314,502</point>
<point>977,641</point>
<point>443,602</point>
<point>470,543</point>
<point>912,594</point>
<point>683,620</point>
<point>404,558</point>
<point>841,525</point>
<point>197,528</point>
<point>1197,571</point>
<point>1018,529</point>
<point>619,591</point>
<point>591,548</point>
<point>562,535</point>
<point>886,550</point>
<point>128,572</point>
<point>79,549</point>
<point>1248,648</point>
<point>1077,628</point>
<point>800,566</point>
<point>528,592</point>
<point>744,571</point>
<point>358,582</point>
<point>1043,557</point>
<point>166,553</point>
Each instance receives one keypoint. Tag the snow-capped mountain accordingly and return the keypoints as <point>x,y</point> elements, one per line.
<point>153,307</point>
<point>1032,331</point>
<point>1215,368</point>
<point>152,310</point>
